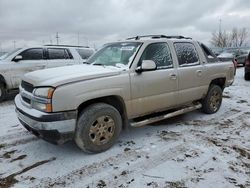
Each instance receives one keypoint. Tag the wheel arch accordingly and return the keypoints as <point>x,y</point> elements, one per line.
<point>2,80</point>
<point>113,100</point>
<point>219,81</point>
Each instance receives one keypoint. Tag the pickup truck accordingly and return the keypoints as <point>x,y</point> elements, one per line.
<point>20,61</point>
<point>128,83</point>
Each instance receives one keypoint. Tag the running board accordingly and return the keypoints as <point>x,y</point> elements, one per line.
<point>166,116</point>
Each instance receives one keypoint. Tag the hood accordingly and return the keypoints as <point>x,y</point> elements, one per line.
<point>4,62</point>
<point>4,65</point>
<point>63,75</point>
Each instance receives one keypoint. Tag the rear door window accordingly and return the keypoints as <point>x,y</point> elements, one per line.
<point>58,53</point>
<point>186,54</point>
<point>32,54</point>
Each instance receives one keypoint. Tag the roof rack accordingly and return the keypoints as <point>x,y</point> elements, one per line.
<point>66,46</point>
<point>158,36</point>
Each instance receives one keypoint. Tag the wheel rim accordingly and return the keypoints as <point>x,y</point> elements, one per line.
<point>215,101</point>
<point>102,130</point>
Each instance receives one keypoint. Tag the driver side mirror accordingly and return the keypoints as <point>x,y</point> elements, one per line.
<point>18,58</point>
<point>146,65</point>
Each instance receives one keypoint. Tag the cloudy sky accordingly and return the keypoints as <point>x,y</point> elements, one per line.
<point>30,22</point>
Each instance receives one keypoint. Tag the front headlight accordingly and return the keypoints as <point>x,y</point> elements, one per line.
<point>44,92</point>
<point>42,99</point>
<point>40,106</point>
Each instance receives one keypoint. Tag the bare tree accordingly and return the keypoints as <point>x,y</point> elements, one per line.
<point>220,39</point>
<point>242,36</point>
<point>215,40</point>
<point>235,38</point>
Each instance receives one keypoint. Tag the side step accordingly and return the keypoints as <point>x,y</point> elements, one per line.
<point>166,116</point>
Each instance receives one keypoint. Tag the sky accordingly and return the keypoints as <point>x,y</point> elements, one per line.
<point>96,22</point>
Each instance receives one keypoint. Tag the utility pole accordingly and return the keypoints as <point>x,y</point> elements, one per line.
<point>220,25</point>
<point>220,35</point>
<point>50,40</point>
<point>87,41</point>
<point>57,38</point>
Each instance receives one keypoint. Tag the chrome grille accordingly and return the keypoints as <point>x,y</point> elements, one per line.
<point>26,100</point>
<point>26,90</point>
<point>27,86</point>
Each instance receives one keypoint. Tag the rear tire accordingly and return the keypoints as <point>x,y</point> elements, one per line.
<point>98,127</point>
<point>212,102</point>
<point>247,76</point>
<point>3,92</point>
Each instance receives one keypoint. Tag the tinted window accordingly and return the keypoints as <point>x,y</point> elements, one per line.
<point>159,53</point>
<point>186,54</point>
<point>68,54</point>
<point>32,54</point>
<point>58,53</point>
<point>85,53</point>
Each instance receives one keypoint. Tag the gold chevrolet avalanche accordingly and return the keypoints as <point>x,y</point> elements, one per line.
<point>134,82</point>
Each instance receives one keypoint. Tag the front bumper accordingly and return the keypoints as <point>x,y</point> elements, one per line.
<point>55,128</point>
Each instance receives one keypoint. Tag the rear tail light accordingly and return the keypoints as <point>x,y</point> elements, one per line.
<point>235,63</point>
<point>247,62</point>
<point>235,66</point>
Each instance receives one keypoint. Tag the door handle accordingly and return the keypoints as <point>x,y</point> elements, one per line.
<point>173,76</point>
<point>199,72</point>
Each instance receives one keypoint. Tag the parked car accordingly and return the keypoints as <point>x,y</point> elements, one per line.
<point>234,54</point>
<point>123,83</point>
<point>23,60</point>
<point>247,68</point>
<point>228,55</point>
<point>216,50</point>
<point>242,57</point>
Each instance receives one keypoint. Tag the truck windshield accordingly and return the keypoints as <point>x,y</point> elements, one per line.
<point>115,54</point>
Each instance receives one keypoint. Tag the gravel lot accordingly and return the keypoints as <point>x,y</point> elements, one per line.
<point>191,150</point>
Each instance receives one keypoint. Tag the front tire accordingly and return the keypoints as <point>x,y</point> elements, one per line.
<point>98,127</point>
<point>2,92</point>
<point>212,102</point>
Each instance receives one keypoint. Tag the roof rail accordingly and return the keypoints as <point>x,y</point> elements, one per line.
<point>158,36</point>
<point>61,45</point>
